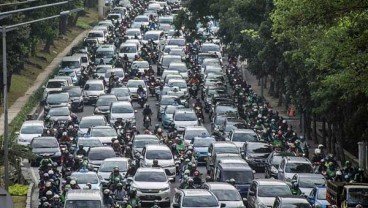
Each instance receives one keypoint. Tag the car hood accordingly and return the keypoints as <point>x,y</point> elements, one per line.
<point>95,186</point>
<point>104,139</point>
<point>306,191</point>
<point>150,185</point>
<point>28,137</point>
<point>53,89</point>
<point>162,163</point>
<point>268,201</point>
<point>59,118</point>
<point>232,204</point>
<point>95,162</point>
<point>93,93</point>
<point>185,123</point>
<point>322,202</point>
<point>106,175</point>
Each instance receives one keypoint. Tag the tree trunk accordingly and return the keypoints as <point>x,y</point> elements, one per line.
<point>307,123</point>
<point>340,141</point>
<point>333,143</point>
<point>329,144</point>
<point>315,134</point>
<point>48,44</point>
<point>265,82</point>
<point>324,133</point>
<point>280,98</point>
<point>271,90</point>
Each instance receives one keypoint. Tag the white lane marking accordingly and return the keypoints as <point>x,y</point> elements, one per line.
<point>40,114</point>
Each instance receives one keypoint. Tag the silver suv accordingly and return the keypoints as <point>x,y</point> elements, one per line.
<point>152,184</point>
<point>291,165</point>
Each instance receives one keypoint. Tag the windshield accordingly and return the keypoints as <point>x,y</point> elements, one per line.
<point>75,92</point>
<point>102,70</point>
<point>104,54</point>
<point>244,137</point>
<point>193,133</point>
<point>273,191</point>
<point>203,142</point>
<point>135,83</point>
<point>86,178</point>
<point>31,130</point>
<point>185,117</point>
<point>167,60</point>
<point>55,84</point>
<point>227,150</point>
<point>159,155</point>
<point>122,109</point>
<point>143,142</point>
<point>258,148</point>
<point>208,48</point>
<point>227,195</point>
<point>321,194</point>
<point>83,203</point>
<point>241,177</point>
<point>90,142</point>
<point>167,100</point>
<point>105,132</point>
<point>311,182</point>
<point>59,112</point>
<point>358,196</point>
<point>141,64</point>
<point>298,168</point>
<point>100,154</point>
<point>296,205</point>
<point>105,101</point>
<point>133,32</point>
<point>150,177</point>
<point>93,87</point>
<point>151,36</point>
<point>108,166</point>
<point>70,64</point>
<point>87,123</point>
<point>165,21</point>
<point>57,98</point>
<point>141,19</point>
<point>117,73</point>
<point>200,201</point>
<point>181,85</point>
<point>178,68</point>
<point>95,35</point>
<point>128,49</point>
<point>178,42</point>
<point>224,109</point>
<point>45,143</point>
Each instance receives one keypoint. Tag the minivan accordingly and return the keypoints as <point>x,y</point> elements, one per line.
<point>99,34</point>
<point>84,198</point>
<point>240,172</point>
<point>107,53</point>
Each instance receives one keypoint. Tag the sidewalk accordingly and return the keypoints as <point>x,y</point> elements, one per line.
<point>21,101</point>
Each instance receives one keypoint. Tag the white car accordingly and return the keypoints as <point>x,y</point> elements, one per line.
<point>129,49</point>
<point>152,184</point>
<point>162,154</point>
<point>121,93</point>
<point>83,178</point>
<point>28,131</point>
<point>194,131</point>
<point>102,69</point>
<point>89,121</point>
<point>133,85</point>
<point>132,32</point>
<point>121,109</point>
<point>183,118</point>
<point>180,83</point>
<point>225,193</point>
<point>180,67</point>
<point>103,133</point>
<point>240,136</point>
<point>188,198</point>
<point>108,166</point>
<point>92,90</point>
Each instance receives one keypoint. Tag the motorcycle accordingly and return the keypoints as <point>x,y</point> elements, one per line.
<point>152,89</point>
<point>142,99</point>
<point>199,113</point>
<point>147,122</point>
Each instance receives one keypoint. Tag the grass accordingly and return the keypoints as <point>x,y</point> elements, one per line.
<point>21,82</point>
<point>19,201</point>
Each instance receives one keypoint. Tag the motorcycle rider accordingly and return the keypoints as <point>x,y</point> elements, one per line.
<point>117,147</point>
<point>198,103</point>
<point>46,160</point>
<point>74,184</point>
<point>317,156</point>
<point>115,174</point>
<point>155,164</point>
<point>140,90</point>
<point>134,200</point>
<point>359,176</point>
<point>348,170</point>
<point>190,184</point>
<point>56,202</point>
<point>147,112</point>
<point>120,193</point>
<point>81,150</point>
<point>107,199</point>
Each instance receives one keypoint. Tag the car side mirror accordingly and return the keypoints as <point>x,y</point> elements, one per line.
<point>135,111</point>
<point>176,205</point>
<point>223,205</point>
<point>17,133</point>
<point>251,193</point>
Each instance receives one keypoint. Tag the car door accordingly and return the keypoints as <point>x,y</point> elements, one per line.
<point>281,174</point>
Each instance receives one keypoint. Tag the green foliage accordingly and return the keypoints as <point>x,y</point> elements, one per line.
<point>18,190</point>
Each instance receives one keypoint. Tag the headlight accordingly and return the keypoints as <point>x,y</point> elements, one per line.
<point>273,169</point>
<point>164,189</point>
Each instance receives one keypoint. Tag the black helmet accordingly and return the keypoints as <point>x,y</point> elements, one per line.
<point>140,86</point>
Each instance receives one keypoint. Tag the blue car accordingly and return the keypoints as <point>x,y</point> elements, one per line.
<point>168,113</point>
<point>317,197</point>
<point>200,147</point>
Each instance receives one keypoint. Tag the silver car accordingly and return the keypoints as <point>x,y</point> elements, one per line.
<point>152,184</point>
<point>225,193</point>
<point>28,131</point>
<point>188,198</point>
<point>107,166</point>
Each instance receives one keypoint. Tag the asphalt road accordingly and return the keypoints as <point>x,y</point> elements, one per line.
<point>88,110</point>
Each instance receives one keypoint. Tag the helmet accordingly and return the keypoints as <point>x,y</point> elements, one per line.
<point>190,148</point>
<point>320,146</point>
<point>347,162</point>
<point>317,151</point>
<point>186,172</point>
<point>159,130</point>
<point>48,184</point>
<point>232,180</point>
<point>119,185</point>
<point>116,142</point>
<point>189,152</point>
<point>64,134</point>
<point>140,86</point>
<point>338,173</point>
<point>73,182</point>
<point>106,191</point>
<point>48,193</point>
<point>190,180</point>
<point>51,172</point>
<point>45,175</point>
<point>116,169</point>
<point>147,106</point>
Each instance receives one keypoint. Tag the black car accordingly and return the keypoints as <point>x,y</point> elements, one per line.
<point>256,153</point>
<point>273,162</point>
<point>42,146</point>
<point>75,98</point>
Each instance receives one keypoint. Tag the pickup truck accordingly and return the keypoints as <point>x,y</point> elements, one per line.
<point>347,195</point>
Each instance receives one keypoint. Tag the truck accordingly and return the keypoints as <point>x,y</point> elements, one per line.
<point>347,195</point>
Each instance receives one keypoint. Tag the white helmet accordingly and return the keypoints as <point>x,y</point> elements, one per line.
<point>73,182</point>
<point>320,146</point>
<point>317,151</point>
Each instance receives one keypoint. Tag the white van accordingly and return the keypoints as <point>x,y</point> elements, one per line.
<point>99,34</point>
<point>83,198</point>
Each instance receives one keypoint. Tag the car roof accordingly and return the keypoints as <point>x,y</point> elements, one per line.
<point>101,127</point>
<point>264,182</point>
<point>133,29</point>
<point>156,147</point>
<point>94,81</point>
<point>145,136</point>
<point>70,58</point>
<point>128,44</point>
<point>249,131</point>
<point>297,159</point>
<point>148,169</point>
<point>183,111</point>
<point>121,103</point>
<point>293,199</point>
<point>235,166</point>
<point>84,173</point>
<point>57,80</point>
<point>101,148</point>
<point>154,32</point>
<point>93,117</point>
<point>220,186</point>
<point>116,159</point>
<point>223,144</point>
<point>33,123</point>
<point>82,194</point>
<point>196,192</point>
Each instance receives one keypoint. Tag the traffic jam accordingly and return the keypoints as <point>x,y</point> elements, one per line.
<point>143,114</point>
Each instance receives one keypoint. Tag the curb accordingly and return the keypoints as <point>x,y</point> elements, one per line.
<point>29,196</point>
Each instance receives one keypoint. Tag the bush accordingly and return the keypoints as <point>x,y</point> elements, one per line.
<point>18,190</point>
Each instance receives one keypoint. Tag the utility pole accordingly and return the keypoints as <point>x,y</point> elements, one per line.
<point>4,30</point>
